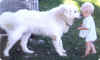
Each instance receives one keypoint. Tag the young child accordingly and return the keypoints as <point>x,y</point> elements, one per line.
<point>87,29</point>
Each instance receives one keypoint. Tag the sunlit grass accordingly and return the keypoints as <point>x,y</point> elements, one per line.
<point>96,2</point>
<point>71,2</point>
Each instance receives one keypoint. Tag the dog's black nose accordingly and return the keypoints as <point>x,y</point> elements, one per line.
<point>81,14</point>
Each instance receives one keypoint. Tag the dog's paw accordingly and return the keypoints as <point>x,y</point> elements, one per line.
<point>6,53</point>
<point>62,54</point>
<point>29,51</point>
<point>64,51</point>
<point>0,59</point>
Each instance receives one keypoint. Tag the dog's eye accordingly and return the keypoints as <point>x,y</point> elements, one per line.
<point>75,11</point>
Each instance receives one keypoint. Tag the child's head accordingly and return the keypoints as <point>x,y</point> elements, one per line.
<point>87,9</point>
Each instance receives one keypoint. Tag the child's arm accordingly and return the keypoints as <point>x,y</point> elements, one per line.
<point>82,28</point>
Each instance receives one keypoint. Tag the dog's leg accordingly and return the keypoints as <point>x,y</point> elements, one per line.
<point>24,42</point>
<point>61,45</point>
<point>58,46</point>
<point>10,44</point>
<point>13,37</point>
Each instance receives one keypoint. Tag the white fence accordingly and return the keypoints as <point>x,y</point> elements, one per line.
<point>32,4</point>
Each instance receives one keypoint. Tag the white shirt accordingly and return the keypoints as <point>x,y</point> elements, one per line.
<point>90,34</point>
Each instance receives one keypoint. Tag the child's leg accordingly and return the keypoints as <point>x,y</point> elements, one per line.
<point>88,48</point>
<point>93,48</point>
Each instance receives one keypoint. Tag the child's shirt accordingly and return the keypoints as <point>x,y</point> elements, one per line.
<point>90,34</point>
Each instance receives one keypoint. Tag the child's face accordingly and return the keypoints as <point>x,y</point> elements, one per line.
<point>85,12</point>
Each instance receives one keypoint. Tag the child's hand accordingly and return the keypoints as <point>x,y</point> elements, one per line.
<point>79,28</point>
<point>81,24</point>
<point>82,28</point>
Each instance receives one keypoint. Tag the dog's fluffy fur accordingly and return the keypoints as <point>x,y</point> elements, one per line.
<point>52,23</point>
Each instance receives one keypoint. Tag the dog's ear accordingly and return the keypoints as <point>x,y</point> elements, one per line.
<point>61,9</point>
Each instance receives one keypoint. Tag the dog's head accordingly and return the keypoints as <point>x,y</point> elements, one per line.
<point>70,12</point>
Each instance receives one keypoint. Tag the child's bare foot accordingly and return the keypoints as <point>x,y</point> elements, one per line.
<point>93,49</point>
<point>93,52</point>
<point>83,56</point>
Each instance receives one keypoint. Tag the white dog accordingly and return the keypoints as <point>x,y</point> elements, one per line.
<point>52,23</point>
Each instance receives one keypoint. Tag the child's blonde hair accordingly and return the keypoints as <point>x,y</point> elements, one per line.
<point>89,6</point>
